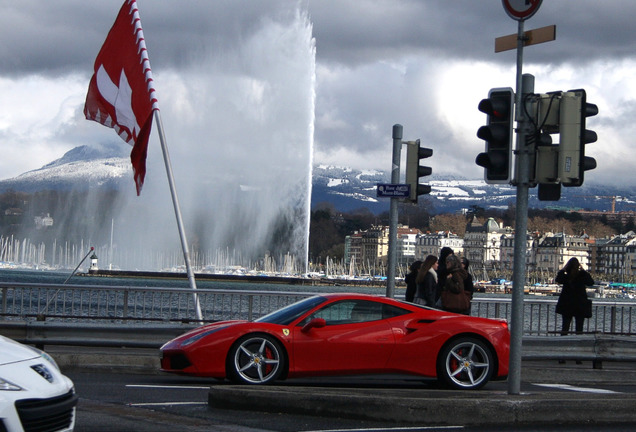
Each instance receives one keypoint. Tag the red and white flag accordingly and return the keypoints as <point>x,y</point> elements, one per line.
<point>121,94</point>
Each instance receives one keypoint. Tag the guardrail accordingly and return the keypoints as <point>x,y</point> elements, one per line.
<point>125,304</point>
<point>115,335</point>
<point>597,348</point>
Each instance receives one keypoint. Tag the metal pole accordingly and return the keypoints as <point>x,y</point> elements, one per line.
<point>393,218</point>
<point>177,212</point>
<point>110,250</point>
<point>525,84</point>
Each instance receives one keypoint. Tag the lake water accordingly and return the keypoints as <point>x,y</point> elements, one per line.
<point>53,277</point>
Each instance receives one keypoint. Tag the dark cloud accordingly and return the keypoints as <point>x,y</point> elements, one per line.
<point>63,36</point>
<point>49,37</point>
<point>380,62</point>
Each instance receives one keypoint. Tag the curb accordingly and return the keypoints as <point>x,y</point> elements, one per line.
<point>437,407</point>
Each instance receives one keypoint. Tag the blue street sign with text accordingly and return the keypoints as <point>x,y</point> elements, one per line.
<point>389,190</point>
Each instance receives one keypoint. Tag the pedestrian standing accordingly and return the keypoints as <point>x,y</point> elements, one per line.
<point>426,282</point>
<point>469,286</point>
<point>454,297</point>
<point>573,301</point>
<point>409,279</point>
<point>442,271</point>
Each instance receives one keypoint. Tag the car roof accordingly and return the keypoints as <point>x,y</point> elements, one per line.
<point>360,296</point>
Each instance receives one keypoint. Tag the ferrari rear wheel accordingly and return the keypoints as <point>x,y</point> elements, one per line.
<point>465,363</point>
<point>256,359</point>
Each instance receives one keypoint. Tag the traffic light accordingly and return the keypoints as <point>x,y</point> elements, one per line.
<point>497,159</point>
<point>414,171</point>
<point>543,112</point>
<point>574,136</point>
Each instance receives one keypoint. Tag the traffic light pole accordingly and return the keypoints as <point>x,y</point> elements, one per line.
<point>525,85</point>
<point>393,216</point>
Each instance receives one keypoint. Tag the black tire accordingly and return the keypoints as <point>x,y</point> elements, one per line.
<point>465,363</point>
<point>256,359</point>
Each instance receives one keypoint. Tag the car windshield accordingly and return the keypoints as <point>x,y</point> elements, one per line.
<point>289,313</point>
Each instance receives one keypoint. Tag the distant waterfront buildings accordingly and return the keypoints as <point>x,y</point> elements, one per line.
<point>43,221</point>
<point>490,246</point>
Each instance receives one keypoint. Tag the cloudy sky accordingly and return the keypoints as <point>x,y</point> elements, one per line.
<point>425,64</point>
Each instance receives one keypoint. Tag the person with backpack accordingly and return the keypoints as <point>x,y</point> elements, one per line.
<point>454,296</point>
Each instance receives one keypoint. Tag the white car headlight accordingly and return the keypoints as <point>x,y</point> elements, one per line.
<point>8,386</point>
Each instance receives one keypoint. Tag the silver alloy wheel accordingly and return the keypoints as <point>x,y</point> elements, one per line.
<point>467,364</point>
<point>257,360</point>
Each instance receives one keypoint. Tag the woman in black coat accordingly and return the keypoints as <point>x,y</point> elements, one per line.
<point>426,282</point>
<point>442,271</point>
<point>410,281</point>
<point>573,301</point>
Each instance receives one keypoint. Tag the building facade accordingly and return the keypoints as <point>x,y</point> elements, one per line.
<point>432,244</point>
<point>554,250</point>
<point>482,242</point>
<point>489,246</point>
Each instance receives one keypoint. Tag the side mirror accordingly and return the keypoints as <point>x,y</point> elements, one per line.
<point>314,323</point>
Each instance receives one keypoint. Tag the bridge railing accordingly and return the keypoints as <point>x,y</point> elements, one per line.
<point>90,303</point>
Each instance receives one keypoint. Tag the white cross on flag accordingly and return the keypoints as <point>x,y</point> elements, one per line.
<point>121,94</point>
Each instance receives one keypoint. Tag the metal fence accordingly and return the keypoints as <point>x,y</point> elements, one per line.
<point>88,303</point>
<point>540,318</point>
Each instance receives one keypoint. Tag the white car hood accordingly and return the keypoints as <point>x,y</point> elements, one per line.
<point>11,352</point>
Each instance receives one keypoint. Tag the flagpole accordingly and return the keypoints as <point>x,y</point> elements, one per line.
<point>177,212</point>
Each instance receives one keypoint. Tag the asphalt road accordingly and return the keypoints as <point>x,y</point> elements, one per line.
<point>140,402</point>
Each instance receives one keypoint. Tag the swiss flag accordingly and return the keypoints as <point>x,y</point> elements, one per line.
<point>121,94</point>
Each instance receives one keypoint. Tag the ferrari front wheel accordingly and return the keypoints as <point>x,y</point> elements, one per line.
<point>465,363</point>
<point>256,359</point>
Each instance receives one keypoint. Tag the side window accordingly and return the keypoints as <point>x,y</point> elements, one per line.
<point>365,311</point>
<point>349,312</point>
<point>390,311</point>
<point>335,313</point>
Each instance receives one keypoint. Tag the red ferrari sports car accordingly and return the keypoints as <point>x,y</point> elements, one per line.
<point>345,334</point>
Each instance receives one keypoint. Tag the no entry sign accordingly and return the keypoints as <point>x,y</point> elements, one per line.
<point>521,9</point>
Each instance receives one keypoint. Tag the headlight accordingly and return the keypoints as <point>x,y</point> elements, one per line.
<point>9,386</point>
<point>201,335</point>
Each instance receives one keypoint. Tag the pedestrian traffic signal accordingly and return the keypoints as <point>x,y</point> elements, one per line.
<point>497,159</point>
<point>574,136</point>
<point>414,171</point>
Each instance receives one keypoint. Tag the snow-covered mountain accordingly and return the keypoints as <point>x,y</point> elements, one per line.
<point>80,168</point>
<point>346,189</point>
<point>349,189</point>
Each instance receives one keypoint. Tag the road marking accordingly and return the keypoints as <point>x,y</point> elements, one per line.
<point>578,389</point>
<point>166,403</point>
<point>397,429</point>
<point>169,386</point>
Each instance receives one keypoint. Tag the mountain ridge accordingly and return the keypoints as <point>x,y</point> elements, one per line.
<point>344,188</point>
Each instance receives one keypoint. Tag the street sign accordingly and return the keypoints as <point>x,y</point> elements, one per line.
<point>389,190</point>
<point>521,9</point>
<point>531,37</point>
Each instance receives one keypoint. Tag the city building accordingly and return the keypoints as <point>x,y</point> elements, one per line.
<point>554,250</point>
<point>612,255</point>
<point>482,242</point>
<point>43,221</point>
<point>489,246</point>
<point>432,243</point>
<point>507,252</point>
<point>406,245</point>
<point>369,249</point>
